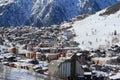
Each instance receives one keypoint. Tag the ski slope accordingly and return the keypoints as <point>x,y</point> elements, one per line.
<point>98,31</point>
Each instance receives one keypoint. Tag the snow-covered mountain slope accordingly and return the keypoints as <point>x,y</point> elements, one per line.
<point>18,12</point>
<point>99,31</point>
<point>46,12</point>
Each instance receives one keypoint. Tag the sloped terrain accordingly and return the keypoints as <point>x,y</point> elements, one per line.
<point>98,31</point>
<point>46,12</point>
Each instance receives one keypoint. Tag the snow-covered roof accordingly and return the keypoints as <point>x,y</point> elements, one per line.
<point>116,76</point>
<point>100,73</point>
<point>21,51</point>
<point>104,58</point>
<point>25,60</point>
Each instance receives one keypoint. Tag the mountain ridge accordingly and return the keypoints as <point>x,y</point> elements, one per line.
<point>46,12</point>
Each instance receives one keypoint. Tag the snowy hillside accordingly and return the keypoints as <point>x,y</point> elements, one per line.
<point>99,31</point>
<point>46,12</point>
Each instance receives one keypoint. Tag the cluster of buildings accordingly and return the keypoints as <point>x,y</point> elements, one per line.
<point>52,51</point>
<point>34,48</point>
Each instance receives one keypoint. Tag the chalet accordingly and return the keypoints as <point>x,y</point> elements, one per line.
<point>51,56</point>
<point>13,50</point>
<point>22,65</point>
<point>22,52</point>
<point>31,55</point>
<point>102,60</point>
